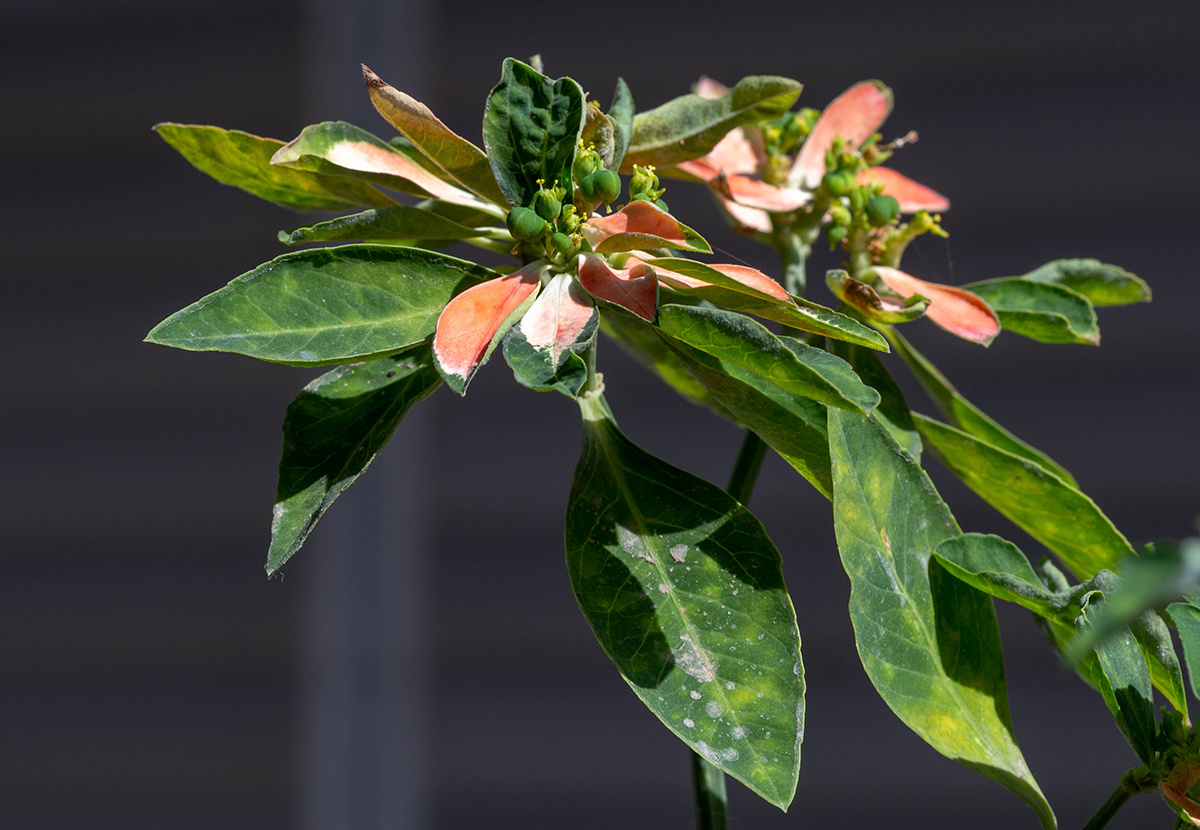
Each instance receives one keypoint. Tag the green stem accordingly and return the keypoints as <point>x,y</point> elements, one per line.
<point>745,469</point>
<point>709,783</point>
<point>1108,809</point>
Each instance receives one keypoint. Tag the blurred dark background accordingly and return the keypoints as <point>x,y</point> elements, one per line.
<point>423,664</point>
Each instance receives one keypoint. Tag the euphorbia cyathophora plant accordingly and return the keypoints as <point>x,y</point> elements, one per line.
<point>679,581</point>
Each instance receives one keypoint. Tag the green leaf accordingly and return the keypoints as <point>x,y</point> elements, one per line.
<point>1039,310</point>
<point>788,363</point>
<point>394,223</point>
<point>341,149</point>
<point>559,364</point>
<point>243,160</point>
<point>685,593</point>
<point>531,128</point>
<point>1104,285</point>
<point>332,432</point>
<point>792,425</point>
<point>964,414</point>
<point>798,313</point>
<point>1161,576</point>
<point>688,127</point>
<point>997,567</point>
<point>1124,681</point>
<point>892,412</point>
<point>929,643</point>
<point>621,112</point>
<point>1187,622</point>
<point>641,341</point>
<point>1039,502</point>
<point>461,160</point>
<point>325,305</point>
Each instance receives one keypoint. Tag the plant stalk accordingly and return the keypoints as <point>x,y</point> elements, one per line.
<point>711,800</point>
<point>1108,809</point>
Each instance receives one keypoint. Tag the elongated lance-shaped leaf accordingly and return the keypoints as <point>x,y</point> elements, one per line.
<point>544,349</point>
<point>621,112</point>
<point>801,314</point>
<point>641,341</point>
<point>788,363</point>
<point>964,414</point>
<point>688,127</point>
<point>1041,311</point>
<point>792,425</point>
<point>243,160</point>
<point>326,305</point>
<point>460,159</point>
<point>531,129</point>
<point>929,643</point>
<point>854,116</point>
<point>332,432</point>
<point>1104,285</point>
<point>341,149</point>
<point>892,411</point>
<point>1124,681</point>
<point>685,593</point>
<point>1186,617</point>
<point>1035,499</point>
<point>395,223</point>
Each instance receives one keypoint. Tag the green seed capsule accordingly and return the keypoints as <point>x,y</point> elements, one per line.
<point>662,206</point>
<point>560,242</point>
<point>835,234</point>
<point>606,185</point>
<point>547,205</point>
<point>839,182</point>
<point>882,210</point>
<point>524,224</point>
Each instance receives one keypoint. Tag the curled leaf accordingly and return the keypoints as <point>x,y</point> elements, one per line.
<point>871,303</point>
<point>957,311</point>
<point>633,288</point>
<point>640,225</point>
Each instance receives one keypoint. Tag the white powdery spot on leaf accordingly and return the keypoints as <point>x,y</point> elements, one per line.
<point>694,661</point>
<point>695,695</point>
<point>277,514</point>
<point>679,552</point>
<point>689,723</point>
<point>664,587</point>
<point>714,709</point>
<point>730,754</point>
<point>739,732</point>
<point>632,544</point>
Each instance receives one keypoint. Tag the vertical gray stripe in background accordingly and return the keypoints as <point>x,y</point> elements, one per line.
<point>365,731</point>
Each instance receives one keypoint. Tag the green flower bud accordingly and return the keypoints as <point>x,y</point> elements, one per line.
<point>524,224</point>
<point>568,222</point>
<point>835,235</point>
<point>882,210</point>
<point>838,215</point>
<point>662,205</point>
<point>606,185</point>
<point>839,182</point>
<point>560,242</point>
<point>587,162</point>
<point>858,199</point>
<point>644,180</point>
<point>547,205</point>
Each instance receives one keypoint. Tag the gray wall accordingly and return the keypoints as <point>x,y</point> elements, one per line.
<point>149,674</point>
